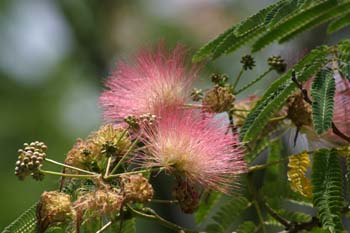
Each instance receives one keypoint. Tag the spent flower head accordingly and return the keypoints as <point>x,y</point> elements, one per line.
<point>156,80</point>
<point>194,146</point>
<point>136,188</point>
<point>54,208</point>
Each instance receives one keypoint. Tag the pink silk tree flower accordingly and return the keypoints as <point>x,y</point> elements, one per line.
<point>156,80</point>
<point>195,147</point>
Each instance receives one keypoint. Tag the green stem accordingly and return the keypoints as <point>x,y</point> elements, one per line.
<point>104,227</point>
<point>67,175</point>
<point>152,215</point>
<point>108,165</point>
<point>238,78</point>
<point>279,118</point>
<point>263,166</point>
<point>164,201</point>
<point>135,172</point>
<point>124,156</point>
<point>253,82</point>
<point>68,166</point>
<point>254,194</point>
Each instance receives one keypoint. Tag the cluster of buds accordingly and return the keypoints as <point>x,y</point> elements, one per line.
<point>111,140</point>
<point>219,99</point>
<point>277,63</point>
<point>196,94</point>
<point>30,159</point>
<point>143,120</point>
<point>136,188</point>
<point>299,112</point>
<point>54,208</point>
<point>187,196</point>
<point>219,79</point>
<point>248,62</point>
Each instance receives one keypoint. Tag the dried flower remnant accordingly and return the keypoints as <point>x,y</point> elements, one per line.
<point>219,99</point>
<point>136,188</point>
<point>187,196</point>
<point>197,94</point>
<point>30,159</point>
<point>299,112</point>
<point>54,208</point>
<point>82,154</point>
<point>100,202</point>
<point>194,146</point>
<point>157,80</point>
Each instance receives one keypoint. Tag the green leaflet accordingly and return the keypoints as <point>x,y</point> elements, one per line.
<point>25,223</point>
<point>280,30</point>
<point>206,205</point>
<point>128,226</point>
<point>327,189</point>
<point>339,10</point>
<point>257,20</point>
<point>277,94</point>
<point>226,214</point>
<point>322,92</point>
<point>338,23</point>
<point>344,57</point>
<point>246,227</point>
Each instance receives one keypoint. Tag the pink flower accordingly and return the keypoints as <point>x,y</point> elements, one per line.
<point>196,147</point>
<point>156,80</point>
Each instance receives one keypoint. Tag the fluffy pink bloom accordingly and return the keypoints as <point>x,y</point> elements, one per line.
<point>196,147</point>
<point>156,80</point>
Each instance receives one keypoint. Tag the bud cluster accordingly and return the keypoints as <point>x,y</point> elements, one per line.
<point>187,196</point>
<point>30,159</point>
<point>136,188</point>
<point>219,99</point>
<point>248,62</point>
<point>219,79</point>
<point>277,63</point>
<point>136,122</point>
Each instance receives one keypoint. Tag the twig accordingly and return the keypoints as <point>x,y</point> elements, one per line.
<point>124,156</point>
<point>275,215</point>
<point>150,214</point>
<point>164,201</point>
<point>238,78</point>
<point>104,227</point>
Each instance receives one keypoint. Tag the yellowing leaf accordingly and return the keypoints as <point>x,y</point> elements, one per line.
<point>298,165</point>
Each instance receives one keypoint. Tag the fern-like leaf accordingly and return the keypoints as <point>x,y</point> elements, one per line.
<point>282,29</point>
<point>332,13</point>
<point>322,92</point>
<point>327,189</point>
<point>298,165</point>
<point>344,57</point>
<point>206,205</point>
<point>338,23</point>
<point>25,223</point>
<point>277,94</point>
<point>226,214</point>
<point>246,227</point>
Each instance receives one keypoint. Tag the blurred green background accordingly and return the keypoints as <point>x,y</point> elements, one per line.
<point>54,56</point>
